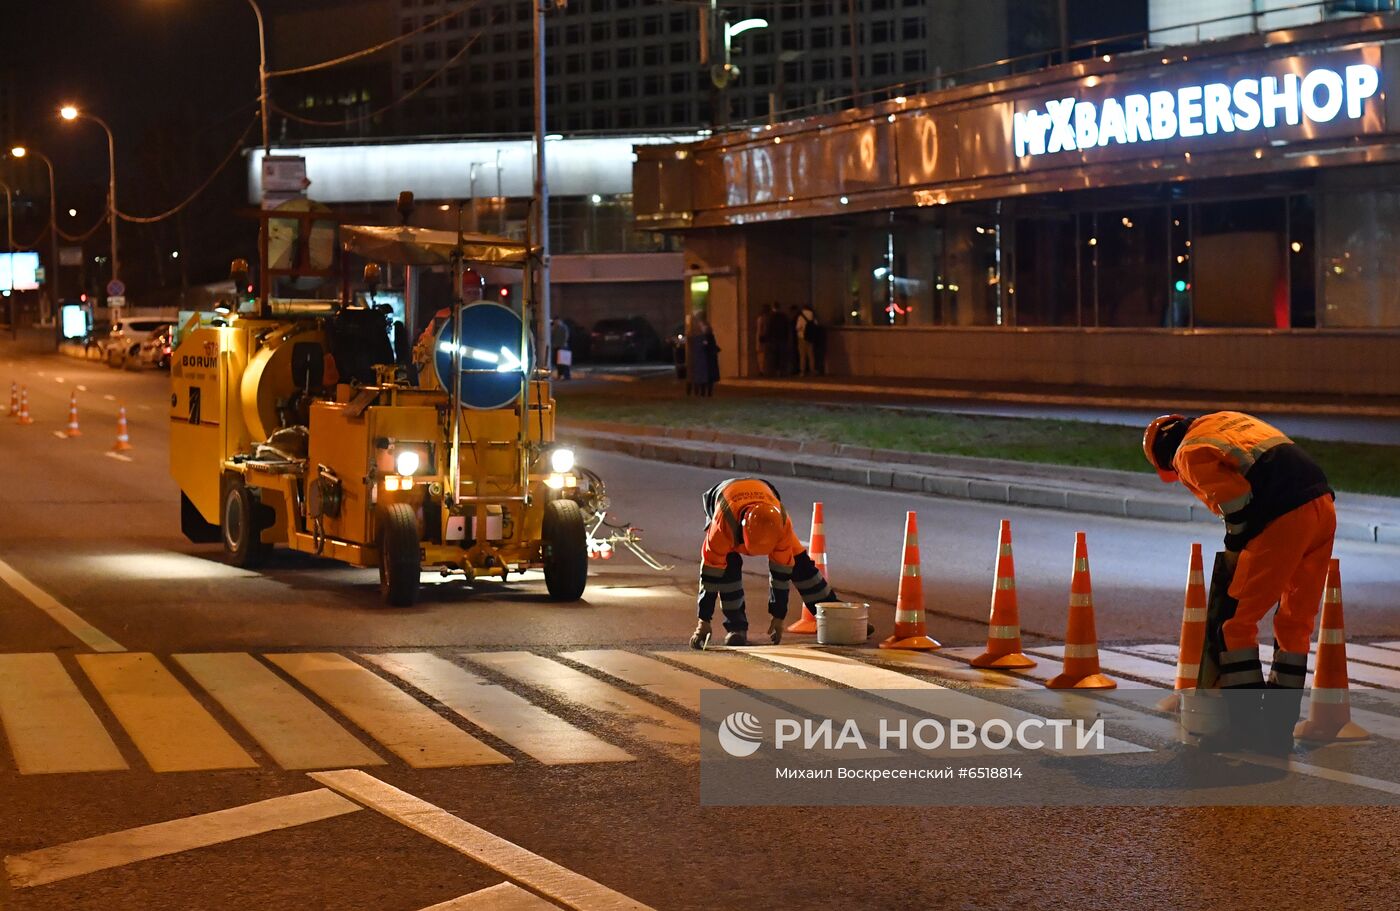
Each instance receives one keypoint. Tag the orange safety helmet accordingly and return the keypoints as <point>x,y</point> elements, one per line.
<point>763,528</point>
<point>1150,438</point>
<point>473,286</point>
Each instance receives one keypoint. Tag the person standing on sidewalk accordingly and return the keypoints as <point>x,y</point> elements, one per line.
<point>699,363</point>
<point>1280,525</point>
<point>745,517</point>
<point>563,354</point>
<point>807,328</point>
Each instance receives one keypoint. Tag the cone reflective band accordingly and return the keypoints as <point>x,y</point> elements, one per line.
<point>1329,707</point>
<point>123,441</point>
<point>24,417</point>
<point>73,430</point>
<point>910,629</point>
<point>816,549</point>
<point>1081,641</point>
<point>1004,620</point>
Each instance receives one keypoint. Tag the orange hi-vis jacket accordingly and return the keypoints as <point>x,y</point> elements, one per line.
<point>1246,471</point>
<point>725,504</point>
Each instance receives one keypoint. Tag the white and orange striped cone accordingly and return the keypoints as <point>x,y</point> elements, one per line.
<point>1329,708</point>
<point>1082,669</point>
<point>14,401</point>
<point>24,417</point>
<point>1193,631</point>
<point>73,430</point>
<point>910,628</point>
<point>1004,623</point>
<point>816,549</point>
<point>123,439</point>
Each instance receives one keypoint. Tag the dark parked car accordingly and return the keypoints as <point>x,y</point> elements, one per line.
<point>630,338</point>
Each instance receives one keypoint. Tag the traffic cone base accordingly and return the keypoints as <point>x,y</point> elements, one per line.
<point>1074,682</point>
<point>1351,732</point>
<point>918,643</point>
<point>1019,659</point>
<point>807,623</point>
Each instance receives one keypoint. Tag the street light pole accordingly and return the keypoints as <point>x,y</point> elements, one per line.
<point>9,223</point>
<point>68,112</point>
<point>262,77</point>
<point>542,191</point>
<point>20,152</point>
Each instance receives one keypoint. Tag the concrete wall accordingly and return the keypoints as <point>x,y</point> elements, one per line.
<point>1312,362</point>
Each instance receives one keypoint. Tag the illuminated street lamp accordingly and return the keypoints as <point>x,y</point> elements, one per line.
<point>262,75</point>
<point>70,113</point>
<point>20,152</point>
<point>725,73</point>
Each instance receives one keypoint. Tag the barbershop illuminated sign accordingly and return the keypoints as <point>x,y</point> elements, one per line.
<point>1319,95</point>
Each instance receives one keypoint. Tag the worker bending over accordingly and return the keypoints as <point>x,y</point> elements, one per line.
<point>745,517</point>
<point>1279,527</point>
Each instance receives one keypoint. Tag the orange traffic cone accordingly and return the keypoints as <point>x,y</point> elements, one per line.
<point>73,430</point>
<point>24,417</point>
<point>123,441</point>
<point>1004,625</point>
<point>1081,642</point>
<point>910,630</point>
<point>1329,708</point>
<point>14,401</point>
<point>1193,631</point>
<point>816,549</point>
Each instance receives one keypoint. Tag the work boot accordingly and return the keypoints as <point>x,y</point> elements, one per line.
<point>1278,715</point>
<point>701,637</point>
<point>775,630</point>
<point>737,637</point>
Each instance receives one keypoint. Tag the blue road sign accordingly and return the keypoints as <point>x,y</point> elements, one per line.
<point>493,364</point>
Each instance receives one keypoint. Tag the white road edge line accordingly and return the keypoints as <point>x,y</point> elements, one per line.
<point>117,849</point>
<point>570,889</point>
<point>91,636</point>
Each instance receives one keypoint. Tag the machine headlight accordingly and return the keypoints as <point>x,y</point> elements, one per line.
<point>561,459</point>
<point>407,462</point>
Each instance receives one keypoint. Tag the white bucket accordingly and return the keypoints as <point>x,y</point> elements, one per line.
<point>842,623</point>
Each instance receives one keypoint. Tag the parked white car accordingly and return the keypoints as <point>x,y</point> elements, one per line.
<point>128,335</point>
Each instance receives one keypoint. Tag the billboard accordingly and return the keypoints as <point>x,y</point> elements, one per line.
<point>19,271</point>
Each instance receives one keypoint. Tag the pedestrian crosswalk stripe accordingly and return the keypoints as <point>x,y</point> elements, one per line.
<point>168,725</point>
<point>50,726</point>
<point>412,731</point>
<point>897,688</point>
<point>737,669</point>
<point>287,725</point>
<point>1393,646</point>
<point>1356,671</point>
<point>669,733</point>
<point>1120,663</point>
<point>498,711</point>
<point>1165,652</point>
<point>504,897</point>
<point>656,677</point>
<point>946,668</point>
<point>1382,657</point>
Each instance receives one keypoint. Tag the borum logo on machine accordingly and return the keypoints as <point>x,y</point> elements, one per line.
<point>196,360</point>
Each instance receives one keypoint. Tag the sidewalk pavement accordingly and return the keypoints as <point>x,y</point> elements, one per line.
<point>1135,495</point>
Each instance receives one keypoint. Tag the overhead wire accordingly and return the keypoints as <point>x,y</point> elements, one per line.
<point>151,219</point>
<point>80,238</point>
<point>365,52</point>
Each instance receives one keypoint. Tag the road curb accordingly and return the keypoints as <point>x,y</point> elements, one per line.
<point>829,462</point>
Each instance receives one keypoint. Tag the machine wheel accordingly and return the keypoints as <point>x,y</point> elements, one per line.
<point>242,522</point>
<point>399,568</point>
<point>565,550</point>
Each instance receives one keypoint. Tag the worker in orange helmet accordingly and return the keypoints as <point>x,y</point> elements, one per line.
<point>745,517</point>
<point>1280,523</point>
<point>473,288</point>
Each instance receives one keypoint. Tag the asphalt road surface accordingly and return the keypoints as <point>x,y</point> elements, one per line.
<point>491,747</point>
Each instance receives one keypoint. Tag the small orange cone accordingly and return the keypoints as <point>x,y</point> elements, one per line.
<point>1004,624</point>
<point>24,417</point>
<point>14,401</point>
<point>123,441</point>
<point>816,549</point>
<point>910,630</point>
<point>73,430</point>
<point>1329,708</point>
<point>1081,641</point>
<point>1193,631</point>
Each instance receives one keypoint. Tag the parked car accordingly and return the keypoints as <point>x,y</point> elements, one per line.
<point>155,350</point>
<point>124,342</point>
<point>629,338</point>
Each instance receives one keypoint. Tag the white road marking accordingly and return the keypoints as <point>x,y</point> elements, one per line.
<point>57,379</point>
<point>897,687</point>
<point>1316,771</point>
<point>498,711</point>
<point>412,731</point>
<point>110,398</point>
<point>82,388</point>
<point>293,731</point>
<point>118,456</point>
<point>947,668</point>
<point>60,434</point>
<point>116,849</point>
<point>748,674</point>
<point>556,882</point>
<point>90,635</point>
<point>656,677</point>
<point>1121,664</point>
<point>505,897</point>
<point>168,725</point>
<point>50,726</point>
<point>670,733</point>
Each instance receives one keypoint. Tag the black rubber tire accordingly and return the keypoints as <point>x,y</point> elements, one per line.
<point>565,550</point>
<point>399,566</point>
<point>241,522</point>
